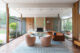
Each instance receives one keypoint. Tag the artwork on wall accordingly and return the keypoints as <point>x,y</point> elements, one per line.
<point>48,21</point>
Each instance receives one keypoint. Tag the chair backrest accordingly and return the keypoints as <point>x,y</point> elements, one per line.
<point>46,41</point>
<point>30,40</point>
<point>50,33</point>
<point>47,38</point>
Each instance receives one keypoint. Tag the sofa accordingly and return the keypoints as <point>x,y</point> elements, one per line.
<point>59,37</point>
<point>51,33</point>
<point>56,36</point>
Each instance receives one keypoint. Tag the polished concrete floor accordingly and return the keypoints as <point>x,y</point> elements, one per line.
<point>70,46</point>
<point>10,47</point>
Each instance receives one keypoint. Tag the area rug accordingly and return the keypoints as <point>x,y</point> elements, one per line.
<point>57,47</point>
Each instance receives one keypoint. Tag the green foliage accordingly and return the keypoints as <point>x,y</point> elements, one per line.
<point>11,16</point>
<point>1,41</point>
<point>67,25</point>
<point>13,25</point>
<point>2,31</point>
<point>12,34</point>
<point>2,18</point>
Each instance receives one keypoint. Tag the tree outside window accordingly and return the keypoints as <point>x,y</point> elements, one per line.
<point>67,24</point>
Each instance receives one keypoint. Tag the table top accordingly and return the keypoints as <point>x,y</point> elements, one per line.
<point>42,34</point>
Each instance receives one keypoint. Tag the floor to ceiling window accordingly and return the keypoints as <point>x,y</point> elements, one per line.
<point>67,27</point>
<point>14,24</point>
<point>23,26</point>
<point>67,24</point>
<point>2,23</point>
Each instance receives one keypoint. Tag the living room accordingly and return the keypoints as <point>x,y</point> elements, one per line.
<point>39,26</point>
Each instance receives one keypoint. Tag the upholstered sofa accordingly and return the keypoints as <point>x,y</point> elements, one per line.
<point>51,33</point>
<point>56,36</point>
<point>59,37</point>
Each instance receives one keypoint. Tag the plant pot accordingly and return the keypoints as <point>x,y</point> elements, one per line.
<point>68,32</point>
<point>12,33</point>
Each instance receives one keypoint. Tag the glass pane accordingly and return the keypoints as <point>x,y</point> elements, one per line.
<point>14,24</point>
<point>67,24</point>
<point>24,26</point>
<point>12,28</point>
<point>13,13</point>
<point>2,23</point>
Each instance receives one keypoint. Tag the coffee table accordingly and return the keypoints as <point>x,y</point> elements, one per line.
<point>41,34</point>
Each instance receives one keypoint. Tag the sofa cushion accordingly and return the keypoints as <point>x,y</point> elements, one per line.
<point>77,43</point>
<point>54,34</point>
<point>59,34</point>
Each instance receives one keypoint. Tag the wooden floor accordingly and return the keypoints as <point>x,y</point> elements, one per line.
<point>8,48</point>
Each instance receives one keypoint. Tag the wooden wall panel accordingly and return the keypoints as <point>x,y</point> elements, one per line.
<point>49,24</point>
<point>78,23</point>
<point>29,24</point>
<point>75,21</point>
<point>53,24</point>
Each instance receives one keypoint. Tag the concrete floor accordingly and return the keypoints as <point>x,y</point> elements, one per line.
<point>9,47</point>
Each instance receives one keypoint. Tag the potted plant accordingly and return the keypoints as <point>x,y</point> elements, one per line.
<point>68,27</point>
<point>12,29</point>
<point>18,34</point>
<point>1,42</point>
<point>68,32</point>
